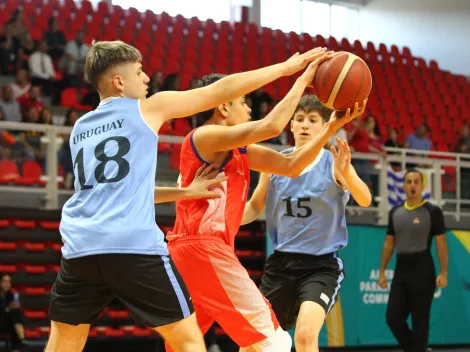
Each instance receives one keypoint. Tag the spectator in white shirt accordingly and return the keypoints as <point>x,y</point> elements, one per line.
<point>42,69</point>
<point>74,60</point>
<point>40,65</point>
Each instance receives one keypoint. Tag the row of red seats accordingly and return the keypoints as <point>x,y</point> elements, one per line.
<point>99,331</point>
<point>29,269</point>
<point>29,224</point>
<point>38,314</point>
<point>31,173</point>
<point>30,246</point>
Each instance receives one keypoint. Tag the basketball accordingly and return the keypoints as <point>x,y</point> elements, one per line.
<point>342,81</point>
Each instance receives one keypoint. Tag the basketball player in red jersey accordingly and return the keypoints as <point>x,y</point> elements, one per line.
<point>202,241</point>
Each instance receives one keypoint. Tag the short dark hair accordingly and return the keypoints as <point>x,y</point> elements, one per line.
<point>106,54</point>
<point>410,171</point>
<point>204,116</point>
<point>309,103</point>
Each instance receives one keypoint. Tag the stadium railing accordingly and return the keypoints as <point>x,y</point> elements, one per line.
<point>435,166</point>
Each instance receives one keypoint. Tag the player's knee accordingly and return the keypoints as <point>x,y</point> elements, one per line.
<point>305,337</point>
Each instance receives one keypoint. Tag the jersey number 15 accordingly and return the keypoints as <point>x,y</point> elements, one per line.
<point>304,210</point>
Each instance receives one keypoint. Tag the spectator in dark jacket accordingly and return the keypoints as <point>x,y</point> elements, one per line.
<point>11,319</point>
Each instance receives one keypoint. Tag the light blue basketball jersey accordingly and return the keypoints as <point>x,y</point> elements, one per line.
<point>114,153</point>
<point>306,214</point>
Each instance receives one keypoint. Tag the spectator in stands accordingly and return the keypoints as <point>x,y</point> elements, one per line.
<point>74,60</point>
<point>46,117</point>
<point>171,82</point>
<point>7,139</point>
<point>8,45</point>
<point>65,156</point>
<point>156,83</point>
<point>392,141</point>
<point>9,106</point>
<point>42,68</point>
<point>463,146</point>
<point>22,84</point>
<point>257,98</point>
<point>419,140</point>
<point>31,100</point>
<point>55,39</point>
<point>11,319</point>
<point>17,26</point>
<point>26,49</point>
<point>376,144</point>
<point>33,148</point>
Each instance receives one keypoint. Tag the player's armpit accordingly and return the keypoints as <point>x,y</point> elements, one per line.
<point>255,206</point>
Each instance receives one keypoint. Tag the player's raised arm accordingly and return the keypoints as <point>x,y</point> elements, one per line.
<point>255,206</point>
<point>213,138</point>
<point>168,105</point>
<point>347,176</point>
<point>267,160</point>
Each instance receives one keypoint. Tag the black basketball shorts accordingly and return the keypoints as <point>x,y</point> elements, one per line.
<point>149,285</point>
<point>289,279</point>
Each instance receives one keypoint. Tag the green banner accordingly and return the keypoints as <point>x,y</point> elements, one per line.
<point>358,319</point>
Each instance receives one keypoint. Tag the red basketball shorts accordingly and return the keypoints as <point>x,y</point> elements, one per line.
<point>222,290</point>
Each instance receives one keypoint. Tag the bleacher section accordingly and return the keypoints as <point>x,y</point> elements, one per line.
<point>30,247</point>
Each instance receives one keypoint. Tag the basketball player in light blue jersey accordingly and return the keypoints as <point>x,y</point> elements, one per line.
<point>112,245</point>
<point>305,218</point>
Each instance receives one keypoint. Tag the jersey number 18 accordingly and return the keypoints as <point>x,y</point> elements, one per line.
<point>123,165</point>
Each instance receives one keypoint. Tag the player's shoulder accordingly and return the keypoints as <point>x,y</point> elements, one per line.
<point>397,207</point>
<point>432,208</point>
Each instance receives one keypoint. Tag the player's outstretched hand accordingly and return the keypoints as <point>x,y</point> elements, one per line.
<point>298,61</point>
<point>342,155</point>
<point>340,118</point>
<point>205,183</point>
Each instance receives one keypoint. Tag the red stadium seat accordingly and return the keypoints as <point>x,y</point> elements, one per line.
<point>44,330</point>
<point>24,224</point>
<point>34,291</point>
<point>56,247</point>
<point>34,269</point>
<point>8,171</point>
<point>34,314</point>
<point>117,313</point>
<point>8,269</point>
<point>32,173</point>
<point>31,334</point>
<point>4,223</point>
<point>34,247</point>
<point>8,246</point>
<point>49,225</point>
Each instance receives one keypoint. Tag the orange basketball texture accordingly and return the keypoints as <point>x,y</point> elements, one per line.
<point>342,81</point>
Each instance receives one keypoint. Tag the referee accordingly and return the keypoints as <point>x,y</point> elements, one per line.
<point>411,228</point>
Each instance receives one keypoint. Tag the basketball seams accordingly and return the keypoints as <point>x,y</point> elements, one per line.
<point>339,81</point>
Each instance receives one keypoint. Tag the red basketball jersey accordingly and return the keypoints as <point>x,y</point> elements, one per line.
<point>212,217</point>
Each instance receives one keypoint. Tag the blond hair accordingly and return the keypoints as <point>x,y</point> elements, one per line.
<point>106,54</point>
